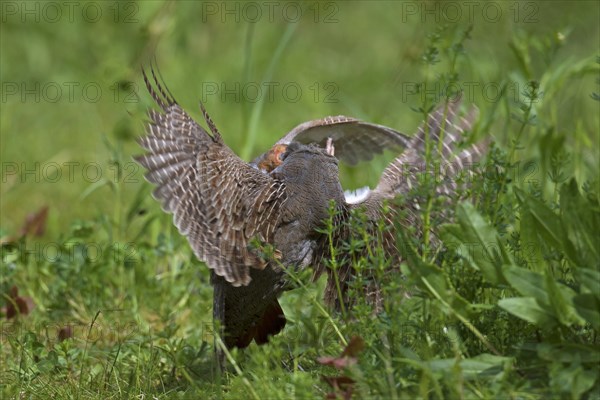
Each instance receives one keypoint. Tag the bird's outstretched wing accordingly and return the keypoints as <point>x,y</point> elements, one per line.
<point>354,140</point>
<point>445,129</point>
<point>218,201</point>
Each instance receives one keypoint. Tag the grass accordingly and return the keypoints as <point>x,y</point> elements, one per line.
<point>506,307</point>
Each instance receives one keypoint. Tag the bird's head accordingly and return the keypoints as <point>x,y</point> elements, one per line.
<point>273,158</point>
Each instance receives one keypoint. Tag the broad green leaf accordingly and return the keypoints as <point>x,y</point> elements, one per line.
<point>547,223</point>
<point>477,242</point>
<point>527,283</point>
<point>583,380</point>
<point>569,353</point>
<point>545,290</point>
<point>561,300</point>
<point>588,307</point>
<point>485,365</point>
<point>478,366</point>
<point>573,380</point>
<point>545,219</point>
<point>529,309</point>
<point>530,242</point>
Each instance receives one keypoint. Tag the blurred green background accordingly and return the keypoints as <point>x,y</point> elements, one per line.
<point>72,88</point>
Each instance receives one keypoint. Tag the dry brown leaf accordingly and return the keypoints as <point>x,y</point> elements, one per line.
<point>18,305</point>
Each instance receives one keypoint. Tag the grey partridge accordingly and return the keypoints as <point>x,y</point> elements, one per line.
<point>221,203</point>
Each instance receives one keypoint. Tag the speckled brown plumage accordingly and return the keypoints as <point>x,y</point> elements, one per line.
<point>221,203</point>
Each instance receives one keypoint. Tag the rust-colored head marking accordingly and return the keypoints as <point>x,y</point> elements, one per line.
<point>272,158</point>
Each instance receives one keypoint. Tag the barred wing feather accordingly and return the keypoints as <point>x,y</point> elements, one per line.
<point>354,140</point>
<point>218,201</point>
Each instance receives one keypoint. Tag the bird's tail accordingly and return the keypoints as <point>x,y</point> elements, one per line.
<point>242,314</point>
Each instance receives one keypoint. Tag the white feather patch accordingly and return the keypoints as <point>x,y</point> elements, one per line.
<point>357,196</point>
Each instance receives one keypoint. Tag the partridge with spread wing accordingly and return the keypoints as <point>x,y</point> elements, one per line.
<point>222,204</point>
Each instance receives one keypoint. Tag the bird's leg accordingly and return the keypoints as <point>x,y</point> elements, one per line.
<point>329,147</point>
<point>218,322</point>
